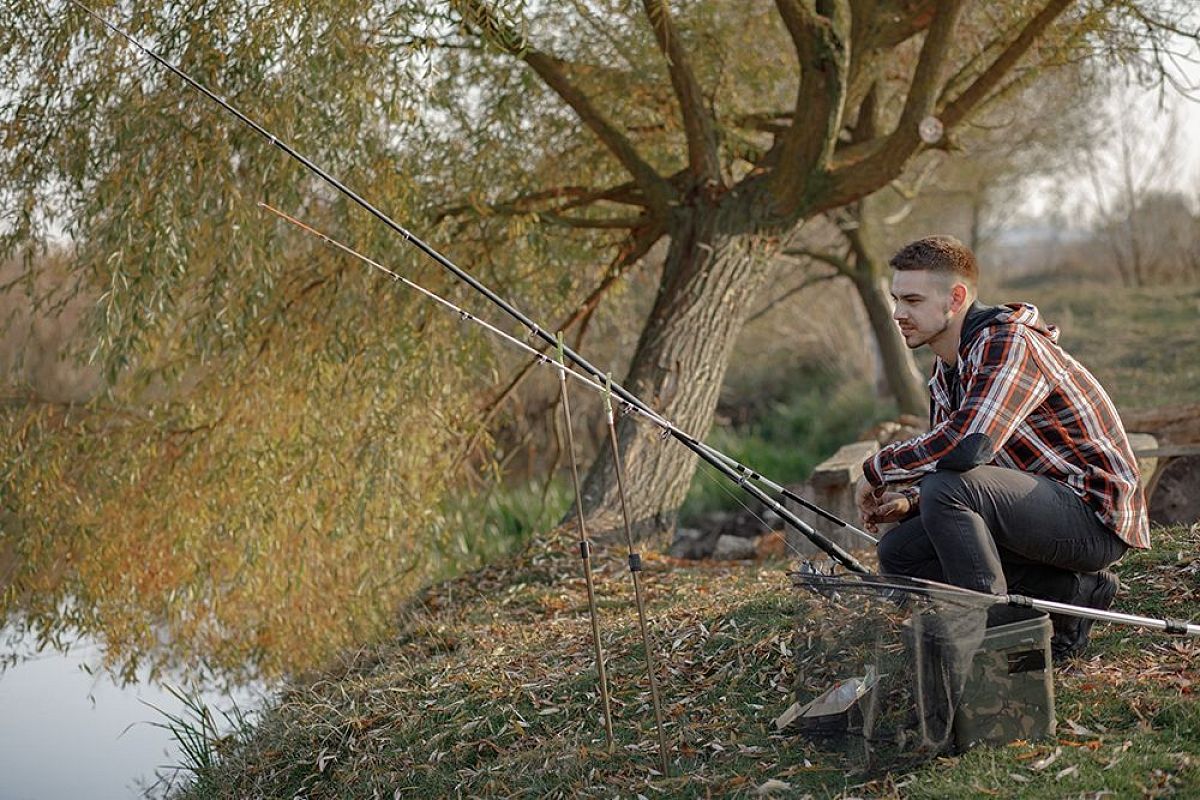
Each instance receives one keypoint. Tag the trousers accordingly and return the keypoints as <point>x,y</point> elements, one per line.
<point>1000,531</point>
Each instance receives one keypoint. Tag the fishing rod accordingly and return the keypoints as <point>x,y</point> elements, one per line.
<point>585,550</point>
<point>936,589</point>
<point>741,478</point>
<point>635,572</point>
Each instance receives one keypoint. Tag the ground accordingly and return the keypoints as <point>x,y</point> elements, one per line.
<point>489,690</point>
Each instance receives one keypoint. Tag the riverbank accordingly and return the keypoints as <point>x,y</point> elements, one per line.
<point>489,690</point>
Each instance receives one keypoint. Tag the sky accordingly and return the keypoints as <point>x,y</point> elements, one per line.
<point>1146,114</point>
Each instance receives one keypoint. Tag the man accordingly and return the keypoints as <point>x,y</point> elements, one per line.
<point>1025,482</point>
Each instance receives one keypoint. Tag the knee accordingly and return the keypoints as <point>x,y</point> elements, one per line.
<point>941,486</point>
<point>898,550</point>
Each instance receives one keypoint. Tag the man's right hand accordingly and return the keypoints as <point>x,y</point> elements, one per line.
<point>865,499</point>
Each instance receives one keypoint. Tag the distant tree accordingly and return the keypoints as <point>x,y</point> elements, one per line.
<point>1125,170</point>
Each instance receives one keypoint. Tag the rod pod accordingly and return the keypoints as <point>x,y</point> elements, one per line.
<point>585,551</point>
<point>635,570</point>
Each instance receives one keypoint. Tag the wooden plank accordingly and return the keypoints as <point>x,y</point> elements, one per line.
<point>1168,451</point>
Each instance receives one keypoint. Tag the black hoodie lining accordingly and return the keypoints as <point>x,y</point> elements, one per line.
<point>978,317</point>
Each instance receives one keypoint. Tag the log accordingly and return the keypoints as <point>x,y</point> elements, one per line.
<point>1178,424</point>
<point>1175,497</point>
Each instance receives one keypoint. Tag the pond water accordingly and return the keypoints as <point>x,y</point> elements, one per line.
<point>67,734</point>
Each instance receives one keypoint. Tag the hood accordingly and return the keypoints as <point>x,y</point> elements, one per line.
<point>980,316</point>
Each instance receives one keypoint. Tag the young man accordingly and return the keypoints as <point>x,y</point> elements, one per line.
<point>1025,482</point>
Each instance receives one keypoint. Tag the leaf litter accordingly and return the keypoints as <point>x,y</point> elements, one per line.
<point>489,689</point>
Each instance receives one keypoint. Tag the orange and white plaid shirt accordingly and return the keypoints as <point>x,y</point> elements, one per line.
<point>1040,411</point>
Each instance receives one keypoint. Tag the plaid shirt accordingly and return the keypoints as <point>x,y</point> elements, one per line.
<point>1041,411</point>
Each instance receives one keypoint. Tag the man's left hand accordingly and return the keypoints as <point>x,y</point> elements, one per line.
<point>877,505</point>
<point>890,507</point>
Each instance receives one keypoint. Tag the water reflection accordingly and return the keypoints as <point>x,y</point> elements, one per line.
<point>67,734</point>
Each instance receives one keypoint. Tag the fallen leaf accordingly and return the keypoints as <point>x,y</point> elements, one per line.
<point>770,786</point>
<point>1042,763</point>
<point>1062,773</point>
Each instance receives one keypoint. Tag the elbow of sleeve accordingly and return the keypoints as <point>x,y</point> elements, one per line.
<point>975,449</point>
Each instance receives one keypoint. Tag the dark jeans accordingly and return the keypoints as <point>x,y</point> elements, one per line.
<point>1000,531</point>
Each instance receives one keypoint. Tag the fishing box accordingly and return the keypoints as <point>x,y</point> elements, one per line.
<point>1009,693</point>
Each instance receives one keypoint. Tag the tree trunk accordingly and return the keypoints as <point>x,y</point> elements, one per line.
<point>899,367</point>
<point>866,272</point>
<point>712,273</point>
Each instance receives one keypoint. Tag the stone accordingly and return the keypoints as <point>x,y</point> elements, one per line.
<point>734,548</point>
<point>691,543</point>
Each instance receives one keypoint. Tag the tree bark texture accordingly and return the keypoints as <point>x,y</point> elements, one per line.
<point>713,271</point>
<point>865,269</point>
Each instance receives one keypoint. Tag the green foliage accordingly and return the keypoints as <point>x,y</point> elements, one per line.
<point>790,438</point>
<point>501,520</point>
<point>200,738</point>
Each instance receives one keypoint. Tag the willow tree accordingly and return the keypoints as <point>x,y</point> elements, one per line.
<point>727,125</point>
<point>251,462</point>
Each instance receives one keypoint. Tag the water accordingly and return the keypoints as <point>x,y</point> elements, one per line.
<point>67,734</point>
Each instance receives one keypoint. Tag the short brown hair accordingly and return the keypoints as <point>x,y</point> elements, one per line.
<point>943,254</point>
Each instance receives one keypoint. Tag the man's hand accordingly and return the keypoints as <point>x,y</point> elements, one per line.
<point>877,505</point>
<point>865,499</point>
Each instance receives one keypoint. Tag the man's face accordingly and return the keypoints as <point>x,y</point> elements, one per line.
<point>923,305</point>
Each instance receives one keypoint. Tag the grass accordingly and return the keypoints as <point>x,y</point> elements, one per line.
<point>489,690</point>
<point>1141,343</point>
<point>488,687</point>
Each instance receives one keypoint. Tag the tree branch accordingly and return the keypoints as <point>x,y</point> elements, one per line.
<point>697,123</point>
<point>638,245</point>
<point>575,196</point>
<point>837,262</point>
<point>520,204</point>
<point>765,121</point>
<point>877,27</point>
<point>822,46</point>
<point>658,191</point>
<point>591,223</point>
<point>863,168</point>
<point>961,107</point>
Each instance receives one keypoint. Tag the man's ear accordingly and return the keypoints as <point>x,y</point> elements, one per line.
<point>959,295</point>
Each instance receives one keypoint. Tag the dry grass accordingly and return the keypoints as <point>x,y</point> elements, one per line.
<point>489,690</point>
